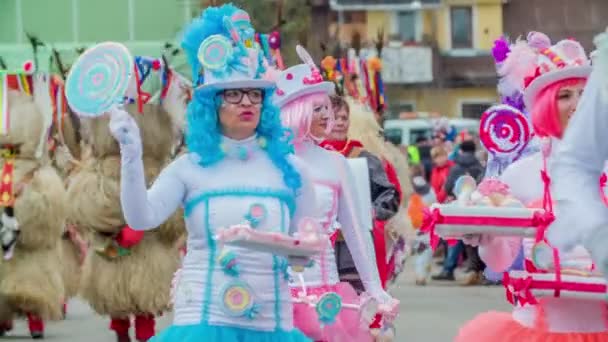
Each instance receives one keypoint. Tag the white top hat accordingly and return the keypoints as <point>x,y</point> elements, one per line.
<point>300,80</point>
<point>227,63</point>
<point>564,60</point>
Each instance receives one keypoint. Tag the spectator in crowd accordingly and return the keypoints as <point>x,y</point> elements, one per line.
<point>440,172</point>
<point>465,163</point>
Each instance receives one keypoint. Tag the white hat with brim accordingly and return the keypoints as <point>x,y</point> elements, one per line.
<point>328,88</point>
<point>243,84</point>
<point>222,75</point>
<point>544,80</point>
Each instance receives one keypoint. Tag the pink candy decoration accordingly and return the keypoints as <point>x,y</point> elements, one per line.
<point>504,131</point>
<point>492,186</point>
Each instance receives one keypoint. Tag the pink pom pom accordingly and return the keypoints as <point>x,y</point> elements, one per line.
<point>28,67</point>
<point>538,40</point>
<point>156,64</point>
<point>274,40</point>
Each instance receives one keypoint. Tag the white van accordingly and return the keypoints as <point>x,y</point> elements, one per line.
<point>406,131</point>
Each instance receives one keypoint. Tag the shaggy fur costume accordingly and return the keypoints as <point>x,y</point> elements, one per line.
<point>31,281</point>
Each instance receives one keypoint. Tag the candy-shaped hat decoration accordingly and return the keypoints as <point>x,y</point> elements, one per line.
<point>300,80</point>
<point>219,53</point>
<point>564,60</point>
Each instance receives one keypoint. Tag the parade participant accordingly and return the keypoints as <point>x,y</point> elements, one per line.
<point>238,167</point>
<point>384,191</point>
<point>554,80</point>
<point>127,274</point>
<point>306,110</point>
<point>33,201</point>
<point>580,160</point>
<point>65,153</point>
<point>397,231</point>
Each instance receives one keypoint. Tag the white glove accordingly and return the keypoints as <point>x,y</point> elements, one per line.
<point>596,244</point>
<point>125,130</point>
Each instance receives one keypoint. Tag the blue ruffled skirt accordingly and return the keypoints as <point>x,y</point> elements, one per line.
<point>205,332</point>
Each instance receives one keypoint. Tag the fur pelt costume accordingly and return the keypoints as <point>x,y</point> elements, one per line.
<point>136,283</point>
<point>66,153</point>
<point>364,128</point>
<point>31,280</point>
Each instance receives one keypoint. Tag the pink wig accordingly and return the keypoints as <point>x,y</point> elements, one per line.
<point>545,114</point>
<point>297,115</point>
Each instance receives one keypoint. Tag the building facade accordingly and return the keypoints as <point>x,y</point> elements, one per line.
<point>438,56</point>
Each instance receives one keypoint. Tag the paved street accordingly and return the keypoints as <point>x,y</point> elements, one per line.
<point>429,314</point>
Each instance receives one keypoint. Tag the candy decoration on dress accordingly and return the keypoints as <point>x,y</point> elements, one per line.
<point>229,263</point>
<point>99,79</point>
<point>328,307</point>
<point>505,133</point>
<point>256,215</point>
<point>238,300</point>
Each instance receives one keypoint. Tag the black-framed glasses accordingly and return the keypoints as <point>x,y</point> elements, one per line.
<point>235,96</point>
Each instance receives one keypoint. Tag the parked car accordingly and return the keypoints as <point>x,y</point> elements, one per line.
<point>407,131</point>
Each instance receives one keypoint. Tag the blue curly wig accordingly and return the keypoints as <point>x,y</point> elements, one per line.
<point>203,131</point>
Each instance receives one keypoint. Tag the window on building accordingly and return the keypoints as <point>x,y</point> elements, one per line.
<point>406,25</point>
<point>402,107</point>
<point>473,110</point>
<point>355,17</point>
<point>461,27</point>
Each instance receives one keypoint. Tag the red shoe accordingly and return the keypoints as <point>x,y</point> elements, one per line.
<point>5,327</point>
<point>121,327</point>
<point>36,326</point>
<point>144,327</point>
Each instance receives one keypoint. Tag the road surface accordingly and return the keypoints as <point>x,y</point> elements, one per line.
<point>429,314</point>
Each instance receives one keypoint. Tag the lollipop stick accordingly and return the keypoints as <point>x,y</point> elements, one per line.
<point>303,283</point>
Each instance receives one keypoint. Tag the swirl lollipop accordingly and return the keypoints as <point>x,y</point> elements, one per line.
<point>215,52</point>
<point>328,307</point>
<point>504,131</point>
<point>237,299</point>
<point>99,79</point>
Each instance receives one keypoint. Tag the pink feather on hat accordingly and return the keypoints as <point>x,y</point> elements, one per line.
<point>539,40</point>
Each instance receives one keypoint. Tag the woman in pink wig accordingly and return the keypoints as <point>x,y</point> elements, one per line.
<point>550,298</point>
<point>303,97</point>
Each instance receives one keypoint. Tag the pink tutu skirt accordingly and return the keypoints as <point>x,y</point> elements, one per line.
<point>501,327</point>
<point>348,326</point>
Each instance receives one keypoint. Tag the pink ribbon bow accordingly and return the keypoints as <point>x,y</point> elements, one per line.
<point>519,289</point>
<point>431,218</point>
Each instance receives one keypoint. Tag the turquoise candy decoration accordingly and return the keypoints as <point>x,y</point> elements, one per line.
<point>228,262</point>
<point>328,307</point>
<point>238,300</point>
<point>256,215</point>
<point>215,53</point>
<point>242,153</point>
<point>99,79</point>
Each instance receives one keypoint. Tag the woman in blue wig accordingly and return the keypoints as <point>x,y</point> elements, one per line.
<point>238,169</point>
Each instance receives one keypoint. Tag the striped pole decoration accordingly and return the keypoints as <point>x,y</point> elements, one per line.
<point>4,114</point>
